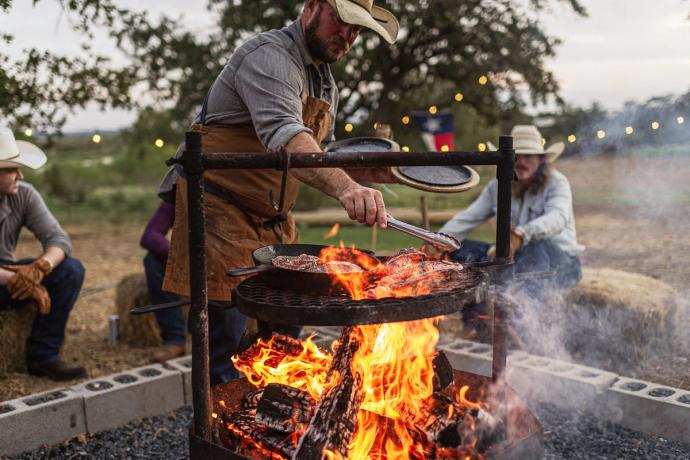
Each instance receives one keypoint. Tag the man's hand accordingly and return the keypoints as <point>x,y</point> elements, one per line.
<point>40,295</point>
<point>363,204</point>
<point>26,277</point>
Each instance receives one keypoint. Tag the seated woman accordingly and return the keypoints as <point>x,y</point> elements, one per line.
<point>543,226</point>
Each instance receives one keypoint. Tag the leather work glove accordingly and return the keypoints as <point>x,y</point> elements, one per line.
<point>26,277</point>
<point>39,294</point>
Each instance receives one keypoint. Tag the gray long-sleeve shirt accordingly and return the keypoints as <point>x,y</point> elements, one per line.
<point>27,209</point>
<point>547,214</point>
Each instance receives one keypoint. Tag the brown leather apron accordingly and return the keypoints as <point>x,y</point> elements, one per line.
<point>241,218</point>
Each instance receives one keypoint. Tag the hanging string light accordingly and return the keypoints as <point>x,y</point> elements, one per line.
<point>444,148</point>
<point>655,125</point>
<point>96,138</point>
<point>572,138</point>
<point>28,132</point>
<point>405,120</point>
<point>159,143</point>
<point>481,147</point>
<point>459,97</point>
<point>405,148</point>
<point>601,134</point>
<point>433,109</point>
<point>680,120</point>
<point>349,127</point>
<point>543,141</point>
<point>629,130</point>
<point>483,80</point>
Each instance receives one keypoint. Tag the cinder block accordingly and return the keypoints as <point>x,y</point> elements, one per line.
<point>43,418</point>
<point>468,356</point>
<point>183,365</point>
<point>649,407</point>
<point>113,401</point>
<point>559,382</point>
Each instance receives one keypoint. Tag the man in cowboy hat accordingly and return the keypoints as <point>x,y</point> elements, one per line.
<point>543,226</point>
<point>276,91</point>
<point>53,280</point>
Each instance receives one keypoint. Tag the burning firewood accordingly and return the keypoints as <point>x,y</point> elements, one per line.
<point>250,401</point>
<point>255,441</point>
<point>284,408</point>
<point>335,417</point>
<point>443,371</point>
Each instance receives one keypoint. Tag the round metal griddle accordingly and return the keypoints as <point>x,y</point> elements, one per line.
<point>257,298</point>
<point>440,179</point>
<point>363,144</point>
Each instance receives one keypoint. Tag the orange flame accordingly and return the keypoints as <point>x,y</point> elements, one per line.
<point>332,233</point>
<point>305,371</point>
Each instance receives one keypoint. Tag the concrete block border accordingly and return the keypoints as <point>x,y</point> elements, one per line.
<point>635,404</point>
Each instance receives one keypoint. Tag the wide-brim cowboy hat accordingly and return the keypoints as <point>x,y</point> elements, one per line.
<point>364,13</point>
<point>527,140</point>
<point>14,153</point>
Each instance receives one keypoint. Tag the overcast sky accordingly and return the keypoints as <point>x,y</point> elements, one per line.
<point>625,50</point>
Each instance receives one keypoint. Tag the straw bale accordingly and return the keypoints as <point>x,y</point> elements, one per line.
<point>139,330</point>
<point>15,327</point>
<point>620,315</point>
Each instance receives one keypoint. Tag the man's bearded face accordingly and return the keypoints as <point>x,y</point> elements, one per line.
<point>328,38</point>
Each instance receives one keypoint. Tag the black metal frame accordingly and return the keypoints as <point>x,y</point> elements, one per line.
<point>195,162</point>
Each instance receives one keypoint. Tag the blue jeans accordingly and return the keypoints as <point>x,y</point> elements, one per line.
<point>48,331</point>
<point>225,328</point>
<point>171,321</point>
<point>541,255</point>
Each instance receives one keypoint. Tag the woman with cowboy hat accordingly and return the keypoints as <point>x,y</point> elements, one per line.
<point>52,280</point>
<point>543,226</point>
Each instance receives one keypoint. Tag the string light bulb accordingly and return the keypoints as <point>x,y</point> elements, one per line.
<point>444,148</point>
<point>459,97</point>
<point>433,109</point>
<point>629,130</point>
<point>572,138</point>
<point>28,132</point>
<point>680,120</point>
<point>601,134</point>
<point>543,141</point>
<point>405,148</point>
<point>405,120</point>
<point>483,80</point>
<point>159,143</point>
<point>482,147</point>
<point>349,127</point>
<point>655,125</point>
<point>96,138</point>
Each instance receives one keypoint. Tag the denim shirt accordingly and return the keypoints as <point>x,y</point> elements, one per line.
<point>547,214</point>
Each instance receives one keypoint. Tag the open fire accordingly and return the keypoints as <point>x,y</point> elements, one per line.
<point>383,392</point>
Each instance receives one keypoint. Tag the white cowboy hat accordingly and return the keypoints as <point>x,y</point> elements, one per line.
<point>14,153</point>
<point>527,140</point>
<point>364,13</point>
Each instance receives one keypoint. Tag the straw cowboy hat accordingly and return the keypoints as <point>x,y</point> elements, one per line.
<point>364,13</point>
<point>527,140</point>
<point>14,153</point>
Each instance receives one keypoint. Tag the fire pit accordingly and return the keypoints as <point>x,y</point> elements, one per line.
<point>384,391</point>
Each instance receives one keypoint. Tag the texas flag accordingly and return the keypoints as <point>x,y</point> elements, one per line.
<point>437,130</point>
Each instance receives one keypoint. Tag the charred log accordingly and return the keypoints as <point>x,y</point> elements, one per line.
<point>443,371</point>
<point>335,417</point>
<point>252,440</point>
<point>285,409</point>
<point>250,401</point>
<point>280,346</point>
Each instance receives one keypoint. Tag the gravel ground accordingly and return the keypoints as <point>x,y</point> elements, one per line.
<point>567,434</point>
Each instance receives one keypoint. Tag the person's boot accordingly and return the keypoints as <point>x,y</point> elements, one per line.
<point>56,370</point>
<point>167,352</point>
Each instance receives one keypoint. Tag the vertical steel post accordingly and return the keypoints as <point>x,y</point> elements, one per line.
<point>194,167</point>
<point>504,174</point>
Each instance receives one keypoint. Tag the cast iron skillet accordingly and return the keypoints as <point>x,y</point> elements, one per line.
<point>286,278</point>
<point>282,278</point>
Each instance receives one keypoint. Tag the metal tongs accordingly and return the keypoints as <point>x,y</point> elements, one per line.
<point>438,240</point>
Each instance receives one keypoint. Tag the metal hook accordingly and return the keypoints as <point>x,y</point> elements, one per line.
<point>285,166</point>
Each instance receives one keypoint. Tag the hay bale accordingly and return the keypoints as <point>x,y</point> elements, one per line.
<point>619,316</point>
<point>15,327</point>
<point>140,330</point>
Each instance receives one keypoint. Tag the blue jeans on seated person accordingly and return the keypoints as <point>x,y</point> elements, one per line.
<point>539,255</point>
<point>225,328</point>
<point>170,321</point>
<point>48,331</point>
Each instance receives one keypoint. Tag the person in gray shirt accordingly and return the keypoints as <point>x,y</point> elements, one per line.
<point>53,280</point>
